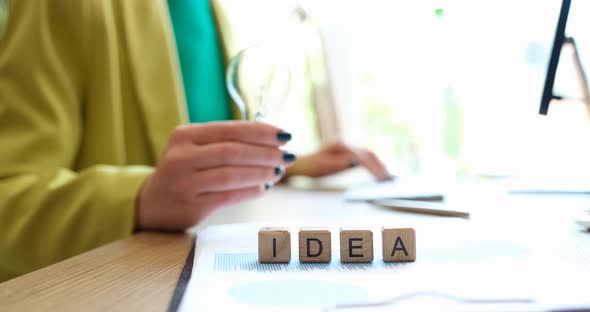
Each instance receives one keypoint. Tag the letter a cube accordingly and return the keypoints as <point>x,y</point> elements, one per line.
<point>399,244</point>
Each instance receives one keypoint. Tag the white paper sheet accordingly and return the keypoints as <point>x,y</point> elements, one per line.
<point>226,273</point>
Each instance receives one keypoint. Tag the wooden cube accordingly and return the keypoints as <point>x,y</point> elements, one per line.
<point>356,245</point>
<point>274,245</point>
<point>399,244</point>
<point>315,244</point>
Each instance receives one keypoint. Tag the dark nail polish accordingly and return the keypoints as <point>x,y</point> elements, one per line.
<point>279,171</point>
<point>288,157</point>
<point>284,136</point>
<point>267,186</point>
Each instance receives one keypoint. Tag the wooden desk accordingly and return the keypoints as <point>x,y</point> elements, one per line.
<point>136,274</point>
<point>140,273</point>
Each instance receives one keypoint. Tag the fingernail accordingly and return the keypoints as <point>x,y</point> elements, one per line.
<point>288,157</point>
<point>354,163</point>
<point>279,171</point>
<point>284,136</point>
<point>267,186</point>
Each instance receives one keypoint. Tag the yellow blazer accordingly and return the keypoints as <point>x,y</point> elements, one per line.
<point>89,92</point>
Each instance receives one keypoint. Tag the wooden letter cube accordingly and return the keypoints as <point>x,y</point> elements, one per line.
<point>356,245</point>
<point>274,245</point>
<point>399,244</point>
<point>315,244</point>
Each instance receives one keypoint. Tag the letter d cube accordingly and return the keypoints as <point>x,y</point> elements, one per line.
<point>315,244</point>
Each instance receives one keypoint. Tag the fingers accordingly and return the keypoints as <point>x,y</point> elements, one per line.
<point>366,158</point>
<point>236,154</point>
<point>382,169</point>
<point>383,173</point>
<point>336,163</point>
<point>233,131</point>
<point>338,157</point>
<point>372,163</point>
<point>231,177</point>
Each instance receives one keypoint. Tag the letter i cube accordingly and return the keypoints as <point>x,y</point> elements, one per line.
<point>274,245</point>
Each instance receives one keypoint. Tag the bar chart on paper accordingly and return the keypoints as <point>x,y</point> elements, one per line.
<point>248,262</point>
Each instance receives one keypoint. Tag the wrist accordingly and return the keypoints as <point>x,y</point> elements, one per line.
<point>140,203</point>
<point>295,169</point>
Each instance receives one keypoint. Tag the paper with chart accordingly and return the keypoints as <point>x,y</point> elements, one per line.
<point>227,274</point>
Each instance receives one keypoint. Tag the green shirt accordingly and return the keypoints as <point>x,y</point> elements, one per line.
<point>201,61</point>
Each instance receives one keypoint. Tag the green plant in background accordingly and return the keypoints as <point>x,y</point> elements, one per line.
<point>3,15</point>
<point>452,113</point>
<point>453,124</point>
<point>381,123</point>
<point>403,145</point>
<point>392,135</point>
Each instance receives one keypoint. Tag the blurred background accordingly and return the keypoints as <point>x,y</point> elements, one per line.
<point>454,86</point>
<point>450,87</point>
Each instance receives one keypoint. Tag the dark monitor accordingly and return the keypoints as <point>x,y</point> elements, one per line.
<point>558,42</point>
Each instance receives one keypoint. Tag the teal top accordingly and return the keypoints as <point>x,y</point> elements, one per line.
<point>201,62</point>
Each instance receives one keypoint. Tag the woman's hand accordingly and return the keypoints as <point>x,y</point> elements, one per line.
<point>337,157</point>
<point>206,166</point>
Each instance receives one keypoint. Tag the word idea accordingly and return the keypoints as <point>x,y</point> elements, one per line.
<point>315,244</point>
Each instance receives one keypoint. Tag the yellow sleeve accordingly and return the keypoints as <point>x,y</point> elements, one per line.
<point>49,212</point>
